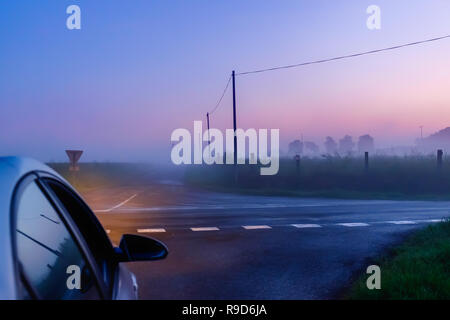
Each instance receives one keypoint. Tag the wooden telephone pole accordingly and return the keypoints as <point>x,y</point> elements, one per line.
<point>234,127</point>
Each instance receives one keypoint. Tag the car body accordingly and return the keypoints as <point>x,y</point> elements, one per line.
<point>54,247</point>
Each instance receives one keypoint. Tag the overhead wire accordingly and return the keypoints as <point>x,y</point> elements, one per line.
<point>353,55</point>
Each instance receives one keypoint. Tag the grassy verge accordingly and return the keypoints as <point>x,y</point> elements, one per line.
<point>413,177</point>
<point>330,194</point>
<point>105,175</point>
<point>417,269</point>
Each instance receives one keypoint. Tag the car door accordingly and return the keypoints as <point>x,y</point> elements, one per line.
<point>119,282</point>
<point>52,260</point>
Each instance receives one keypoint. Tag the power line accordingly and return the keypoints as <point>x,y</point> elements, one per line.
<point>325,60</point>
<point>221,98</point>
<point>343,57</point>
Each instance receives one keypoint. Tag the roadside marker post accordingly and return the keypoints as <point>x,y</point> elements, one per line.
<point>366,161</point>
<point>439,159</point>
<point>297,167</point>
<point>297,163</point>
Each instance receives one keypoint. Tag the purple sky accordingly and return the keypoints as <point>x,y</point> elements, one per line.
<point>135,72</point>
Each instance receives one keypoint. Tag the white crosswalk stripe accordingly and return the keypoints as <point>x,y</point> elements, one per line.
<point>205,229</point>
<point>153,230</point>
<point>256,227</point>
<point>354,224</point>
<point>306,225</point>
<point>403,222</point>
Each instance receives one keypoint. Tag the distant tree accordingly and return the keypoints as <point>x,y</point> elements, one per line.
<point>438,140</point>
<point>311,147</point>
<point>295,147</point>
<point>346,145</point>
<point>365,143</point>
<point>330,145</point>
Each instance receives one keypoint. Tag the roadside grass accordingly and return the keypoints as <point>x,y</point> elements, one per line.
<point>105,175</point>
<point>388,177</point>
<point>330,194</point>
<point>418,269</point>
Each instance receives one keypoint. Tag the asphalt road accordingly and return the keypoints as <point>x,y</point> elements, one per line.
<point>226,246</point>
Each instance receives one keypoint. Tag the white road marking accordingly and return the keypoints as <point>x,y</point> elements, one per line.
<point>300,226</point>
<point>205,229</point>
<point>306,225</point>
<point>354,224</point>
<point>118,205</point>
<point>256,227</point>
<point>154,230</point>
<point>403,222</point>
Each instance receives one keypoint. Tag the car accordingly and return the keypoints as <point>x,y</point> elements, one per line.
<point>52,244</point>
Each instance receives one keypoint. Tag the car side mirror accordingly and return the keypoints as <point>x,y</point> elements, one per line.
<point>138,248</point>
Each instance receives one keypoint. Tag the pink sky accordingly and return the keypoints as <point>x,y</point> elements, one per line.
<point>120,86</point>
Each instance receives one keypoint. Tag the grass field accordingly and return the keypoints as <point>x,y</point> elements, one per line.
<point>104,175</point>
<point>413,177</point>
<point>418,269</point>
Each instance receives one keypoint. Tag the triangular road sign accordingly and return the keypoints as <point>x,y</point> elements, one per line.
<point>74,156</point>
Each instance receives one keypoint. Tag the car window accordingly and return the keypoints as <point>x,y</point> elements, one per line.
<point>49,258</point>
<point>88,225</point>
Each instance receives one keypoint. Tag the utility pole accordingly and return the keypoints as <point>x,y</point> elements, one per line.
<point>234,127</point>
<point>421,132</point>
<point>209,137</point>
<point>234,117</point>
<point>207,122</point>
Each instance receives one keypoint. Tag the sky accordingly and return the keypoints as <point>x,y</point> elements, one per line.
<point>139,69</point>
